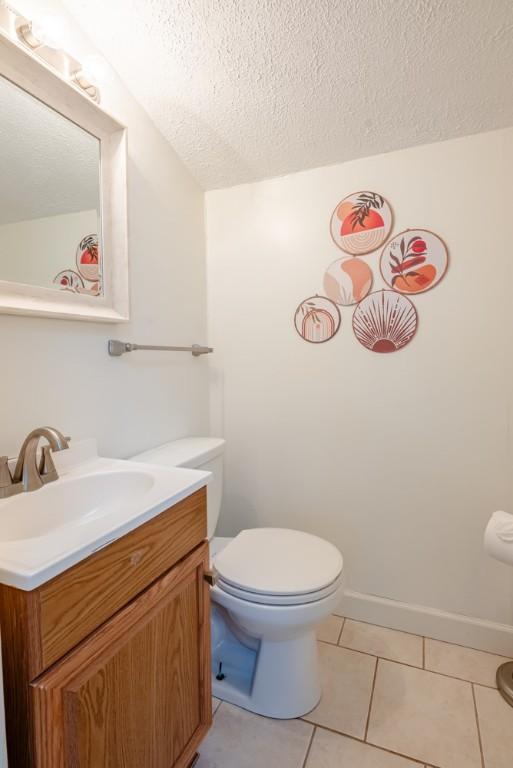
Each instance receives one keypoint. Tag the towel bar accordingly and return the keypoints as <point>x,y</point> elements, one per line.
<point>118,348</point>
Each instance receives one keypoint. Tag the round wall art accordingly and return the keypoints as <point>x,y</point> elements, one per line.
<point>384,321</point>
<point>347,281</point>
<point>361,223</point>
<point>68,280</point>
<point>88,261</point>
<point>414,261</point>
<point>317,319</point>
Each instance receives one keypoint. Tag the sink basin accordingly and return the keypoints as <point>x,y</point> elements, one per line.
<point>70,502</point>
<point>94,502</point>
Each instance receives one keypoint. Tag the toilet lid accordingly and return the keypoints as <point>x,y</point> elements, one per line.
<point>278,561</point>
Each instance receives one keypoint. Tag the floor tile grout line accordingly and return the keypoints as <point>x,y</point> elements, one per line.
<point>367,653</point>
<point>402,754</point>
<point>423,653</point>
<point>367,743</point>
<point>410,666</point>
<point>375,656</point>
<point>469,648</point>
<point>308,749</point>
<point>341,630</point>
<point>380,626</point>
<point>426,637</point>
<point>478,727</point>
<point>371,700</point>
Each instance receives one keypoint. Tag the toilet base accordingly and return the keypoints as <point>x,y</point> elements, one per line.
<point>279,679</point>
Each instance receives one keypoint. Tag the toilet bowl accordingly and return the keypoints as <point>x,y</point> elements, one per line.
<point>273,586</point>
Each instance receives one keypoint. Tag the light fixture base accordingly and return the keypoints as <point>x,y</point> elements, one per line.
<point>26,35</point>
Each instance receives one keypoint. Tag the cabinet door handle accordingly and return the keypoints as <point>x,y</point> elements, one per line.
<point>210,577</point>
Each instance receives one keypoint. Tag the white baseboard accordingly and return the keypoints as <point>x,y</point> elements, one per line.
<point>419,620</point>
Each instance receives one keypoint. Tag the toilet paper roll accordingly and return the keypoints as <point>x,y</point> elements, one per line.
<point>498,538</point>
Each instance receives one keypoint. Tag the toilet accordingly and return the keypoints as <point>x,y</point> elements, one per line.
<point>273,586</point>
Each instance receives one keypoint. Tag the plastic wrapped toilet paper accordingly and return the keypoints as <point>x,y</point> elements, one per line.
<point>498,539</point>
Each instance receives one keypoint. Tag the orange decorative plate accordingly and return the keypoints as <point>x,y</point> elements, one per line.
<point>88,258</point>
<point>361,223</point>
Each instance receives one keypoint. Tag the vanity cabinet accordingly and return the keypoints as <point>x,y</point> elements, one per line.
<point>108,665</point>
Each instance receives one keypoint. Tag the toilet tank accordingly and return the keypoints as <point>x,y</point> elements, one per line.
<point>204,453</point>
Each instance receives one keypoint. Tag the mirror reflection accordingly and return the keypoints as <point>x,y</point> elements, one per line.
<point>49,197</point>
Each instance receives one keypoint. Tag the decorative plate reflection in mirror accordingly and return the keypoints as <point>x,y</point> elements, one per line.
<point>63,213</point>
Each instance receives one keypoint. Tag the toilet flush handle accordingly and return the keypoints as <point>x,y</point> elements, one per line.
<point>210,577</point>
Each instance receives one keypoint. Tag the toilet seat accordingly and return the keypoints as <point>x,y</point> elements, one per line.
<point>266,599</point>
<point>276,566</point>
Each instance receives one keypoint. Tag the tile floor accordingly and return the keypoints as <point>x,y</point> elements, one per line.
<point>390,700</point>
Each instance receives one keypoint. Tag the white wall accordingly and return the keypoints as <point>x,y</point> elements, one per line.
<point>35,251</point>
<point>58,372</point>
<point>398,459</point>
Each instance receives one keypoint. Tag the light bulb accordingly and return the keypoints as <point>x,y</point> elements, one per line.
<point>50,29</point>
<point>46,30</point>
<point>94,68</point>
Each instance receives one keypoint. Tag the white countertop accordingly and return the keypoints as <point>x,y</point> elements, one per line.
<point>28,560</point>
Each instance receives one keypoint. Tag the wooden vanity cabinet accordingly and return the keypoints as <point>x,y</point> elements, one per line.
<point>135,691</point>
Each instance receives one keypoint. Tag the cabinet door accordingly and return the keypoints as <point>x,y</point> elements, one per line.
<point>136,693</point>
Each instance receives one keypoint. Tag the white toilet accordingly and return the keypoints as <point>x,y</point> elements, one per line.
<point>273,588</point>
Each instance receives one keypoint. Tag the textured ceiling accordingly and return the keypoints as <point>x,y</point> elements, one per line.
<point>247,89</point>
<point>49,166</point>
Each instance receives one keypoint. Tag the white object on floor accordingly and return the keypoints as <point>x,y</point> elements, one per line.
<point>498,539</point>
<point>274,587</point>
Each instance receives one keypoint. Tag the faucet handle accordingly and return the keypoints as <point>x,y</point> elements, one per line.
<point>5,473</point>
<point>47,471</point>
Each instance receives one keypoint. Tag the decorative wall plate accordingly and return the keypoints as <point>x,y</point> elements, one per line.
<point>68,280</point>
<point>347,281</point>
<point>414,261</point>
<point>317,319</point>
<point>385,321</point>
<point>361,223</point>
<point>88,258</point>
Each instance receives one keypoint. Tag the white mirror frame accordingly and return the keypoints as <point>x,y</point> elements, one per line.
<point>32,75</point>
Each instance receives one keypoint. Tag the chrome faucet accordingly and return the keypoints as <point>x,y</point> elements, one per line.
<point>31,474</point>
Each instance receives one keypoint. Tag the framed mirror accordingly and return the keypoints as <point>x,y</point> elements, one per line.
<point>63,219</point>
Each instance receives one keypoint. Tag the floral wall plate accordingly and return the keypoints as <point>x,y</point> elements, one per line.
<point>347,281</point>
<point>68,280</point>
<point>385,321</point>
<point>361,223</point>
<point>414,261</point>
<point>317,319</point>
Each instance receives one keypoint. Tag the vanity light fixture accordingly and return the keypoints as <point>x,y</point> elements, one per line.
<point>30,35</point>
<point>47,30</point>
<point>42,38</point>
<point>82,79</point>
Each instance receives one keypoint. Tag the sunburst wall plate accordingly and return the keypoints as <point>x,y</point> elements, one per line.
<point>385,321</point>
